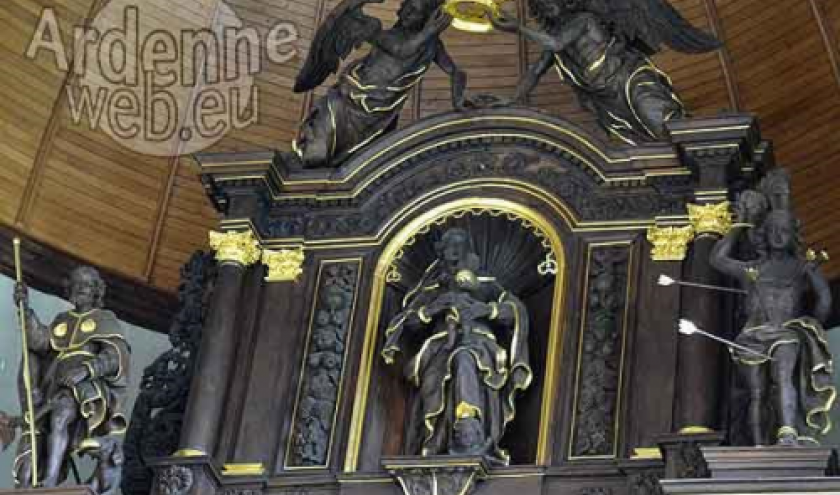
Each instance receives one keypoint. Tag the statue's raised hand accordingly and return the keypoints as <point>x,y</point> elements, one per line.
<point>503,23</point>
<point>437,23</point>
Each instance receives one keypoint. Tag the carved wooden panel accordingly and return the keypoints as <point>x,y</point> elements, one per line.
<point>601,351</point>
<point>319,386</point>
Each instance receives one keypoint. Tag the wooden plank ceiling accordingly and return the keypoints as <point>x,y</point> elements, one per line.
<point>77,190</point>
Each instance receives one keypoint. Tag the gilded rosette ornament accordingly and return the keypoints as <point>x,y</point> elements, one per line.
<point>285,265</point>
<point>236,247</point>
<point>670,243</point>
<point>710,218</point>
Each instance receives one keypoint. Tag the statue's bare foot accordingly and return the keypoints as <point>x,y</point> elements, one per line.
<point>787,438</point>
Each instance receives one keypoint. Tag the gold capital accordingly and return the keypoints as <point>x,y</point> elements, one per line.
<point>710,218</point>
<point>284,265</point>
<point>236,247</point>
<point>669,243</point>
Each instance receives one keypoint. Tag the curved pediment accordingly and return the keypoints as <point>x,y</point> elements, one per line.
<point>506,149</point>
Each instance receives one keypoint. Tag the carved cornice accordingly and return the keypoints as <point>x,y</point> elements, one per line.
<point>710,218</point>
<point>241,248</point>
<point>284,265</point>
<point>670,243</point>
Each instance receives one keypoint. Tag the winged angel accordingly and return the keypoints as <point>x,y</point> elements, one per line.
<point>603,48</point>
<point>366,100</point>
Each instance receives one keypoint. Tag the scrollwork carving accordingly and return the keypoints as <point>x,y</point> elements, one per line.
<point>645,483</point>
<point>601,352</point>
<point>159,409</point>
<point>175,480</point>
<point>317,398</point>
<point>562,174</point>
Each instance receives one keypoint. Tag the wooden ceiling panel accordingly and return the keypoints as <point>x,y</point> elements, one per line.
<point>698,79</point>
<point>31,87</point>
<point>189,217</point>
<point>279,109</point>
<point>786,75</point>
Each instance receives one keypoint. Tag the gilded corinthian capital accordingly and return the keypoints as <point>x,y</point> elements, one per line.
<point>710,218</point>
<point>236,247</point>
<point>669,243</point>
<point>284,265</point>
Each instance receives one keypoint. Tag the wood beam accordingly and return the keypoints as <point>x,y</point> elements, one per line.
<point>828,36</point>
<point>725,57</point>
<point>45,268</point>
<point>173,165</point>
<point>27,200</point>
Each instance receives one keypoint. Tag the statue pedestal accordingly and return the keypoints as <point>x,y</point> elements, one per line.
<point>436,475</point>
<point>760,470</point>
<point>766,462</point>
<point>682,453</point>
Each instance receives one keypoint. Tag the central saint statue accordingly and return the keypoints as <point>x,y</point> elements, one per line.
<point>468,343</point>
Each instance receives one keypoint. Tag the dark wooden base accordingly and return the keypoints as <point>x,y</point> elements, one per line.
<point>821,485</point>
<point>760,470</point>
<point>436,475</point>
<point>766,462</point>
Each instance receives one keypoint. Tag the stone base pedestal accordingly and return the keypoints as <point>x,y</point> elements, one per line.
<point>682,456</point>
<point>816,486</point>
<point>436,475</point>
<point>760,471</point>
<point>767,462</point>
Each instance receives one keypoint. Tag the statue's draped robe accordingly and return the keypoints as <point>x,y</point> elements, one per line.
<point>354,112</point>
<point>483,371</point>
<point>93,340</point>
<point>623,87</point>
<point>813,379</point>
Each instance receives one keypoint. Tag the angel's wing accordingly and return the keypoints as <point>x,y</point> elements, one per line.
<point>648,24</point>
<point>343,30</point>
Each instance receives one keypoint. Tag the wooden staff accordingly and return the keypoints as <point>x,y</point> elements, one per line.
<point>27,377</point>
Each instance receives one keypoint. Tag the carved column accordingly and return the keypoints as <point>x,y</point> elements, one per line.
<point>699,369</point>
<point>720,157</point>
<point>235,252</point>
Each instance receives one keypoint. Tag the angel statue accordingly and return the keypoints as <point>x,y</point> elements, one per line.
<point>602,48</point>
<point>366,100</point>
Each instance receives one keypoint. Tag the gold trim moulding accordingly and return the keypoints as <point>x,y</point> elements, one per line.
<point>670,243</point>
<point>243,469</point>
<point>190,453</point>
<point>695,430</point>
<point>710,218</point>
<point>707,147</point>
<point>587,142</point>
<point>428,216</point>
<point>284,265</point>
<point>647,453</point>
<point>710,129</point>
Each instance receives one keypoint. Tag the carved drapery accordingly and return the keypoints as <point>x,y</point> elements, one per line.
<point>601,352</point>
<point>321,376</point>
<point>159,409</point>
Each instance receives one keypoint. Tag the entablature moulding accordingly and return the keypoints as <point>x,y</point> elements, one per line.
<point>592,185</point>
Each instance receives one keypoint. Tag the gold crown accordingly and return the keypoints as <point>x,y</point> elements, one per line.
<point>473,15</point>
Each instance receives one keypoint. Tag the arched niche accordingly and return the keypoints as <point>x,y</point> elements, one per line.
<point>534,230</point>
